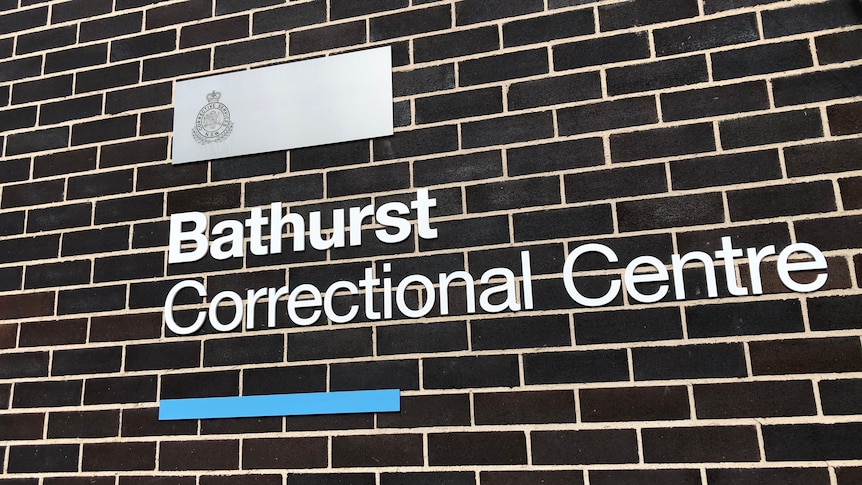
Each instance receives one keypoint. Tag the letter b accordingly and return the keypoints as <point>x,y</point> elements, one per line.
<point>196,235</point>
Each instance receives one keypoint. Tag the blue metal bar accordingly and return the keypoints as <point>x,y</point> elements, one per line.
<point>303,404</point>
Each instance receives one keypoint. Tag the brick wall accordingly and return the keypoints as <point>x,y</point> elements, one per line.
<point>651,126</point>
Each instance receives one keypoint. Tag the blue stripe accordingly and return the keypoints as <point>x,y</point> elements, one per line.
<point>342,402</point>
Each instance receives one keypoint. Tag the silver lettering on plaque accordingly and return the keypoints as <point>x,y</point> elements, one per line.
<point>213,121</point>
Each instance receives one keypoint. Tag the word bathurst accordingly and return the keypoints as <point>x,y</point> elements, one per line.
<point>502,290</point>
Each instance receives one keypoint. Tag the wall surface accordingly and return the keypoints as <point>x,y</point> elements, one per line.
<point>652,127</point>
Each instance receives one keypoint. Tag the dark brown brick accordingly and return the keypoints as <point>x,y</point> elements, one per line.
<point>645,477</point>
<point>806,18</point>
<point>46,39</point>
<point>14,170</point>
<point>26,305</point>
<point>644,12</point>
<point>834,313</point>
<point>428,478</point>
<point>849,475</point>
<point>615,183</point>
<point>43,458</point>
<point>176,65</point>
<point>330,422</point>
<point>803,356</point>
<point>750,318</point>
<point>689,361</point>
<point>840,396</point>
<point>271,424</point>
<point>521,193</point>
<point>78,9</point>
<point>154,480</point>
<point>577,366</point>
<point>787,476</point>
<point>163,355</point>
<point>707,34</point>
<point>108,77</point>
<point>438,139</point>
<point>472,371</point>
<point>178,13</point>
<point>524,332</point>
<point>474,11</point>
<point>634,404</point>
<point>455,44</point>
<point>729,169</point>
<point>106,28</point>
<point>327,37</point>
<point>524,407</point>
<point>37,141</point>
<point>200,384</point>
<point>214,31</point>
<point>21,426</point>
<point>78,57</point>
<point>845,119</point>
<point>19,69</point>
<point>550,157</point>
<point>662,142</point>
<point>8,336</point>
<point>463,104</point>
<point>274,453</point>
<point>473,166</point>
<point>838,47</point>
<point>502,67</point>
<point>715,101</point>
<point>199,455</point>
<point>410,22</point>
<point>687,210</point>
<point>289,17</point>
<point>657,75</point>
<point>700,444</point>
<point>488,448</point>
<point>754,399</point>
<point>584,447</point>
<point>830,233</point>
<point>818,85</point>
<point>42,89</point>
<point>111,390</point>
<point>65,162</point>
<point>342,9</point>
<point>84,424</point>
<point>812,442</point>
<point>378,451</point>
<point>204,198</point>
<point>91,299</point>
<point>761,59</point>
<point>86,361</point>
<point>47,394</point>
<point>125,456</point>
<point>547,477</point>
<point>507,129</point>
<point>29,364</point>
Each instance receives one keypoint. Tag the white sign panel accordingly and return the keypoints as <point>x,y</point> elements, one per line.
<point>299,104</point>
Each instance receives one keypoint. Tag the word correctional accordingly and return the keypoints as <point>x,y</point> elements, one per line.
<point>378,296</point>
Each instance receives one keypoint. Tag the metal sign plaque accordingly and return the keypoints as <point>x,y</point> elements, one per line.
<point>299,104</point>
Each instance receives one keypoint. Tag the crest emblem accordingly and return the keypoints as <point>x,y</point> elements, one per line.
<point>213,121</point>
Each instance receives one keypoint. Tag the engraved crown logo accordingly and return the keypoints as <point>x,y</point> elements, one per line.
<point>212,124</point>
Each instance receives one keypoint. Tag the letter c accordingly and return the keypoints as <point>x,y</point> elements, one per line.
<point>169,312</point>
<point>570,284</point>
